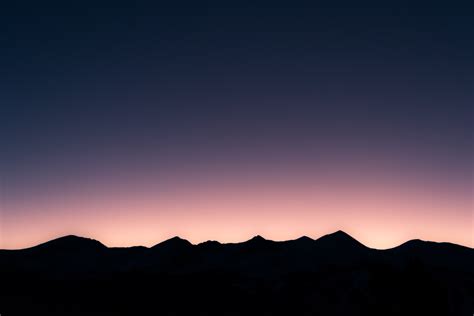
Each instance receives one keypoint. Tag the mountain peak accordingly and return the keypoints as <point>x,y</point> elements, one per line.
<point>339,234</point>
<point>176,238</point>
<point>175,241</point>
<point>256,239</point>
<point>338,238</point>
<point>303,241</point>
<point>71,242</point>
<point>304,238</point>
<point>209,242</point>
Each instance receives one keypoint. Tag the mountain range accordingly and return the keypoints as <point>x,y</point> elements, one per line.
<point>333,275</point>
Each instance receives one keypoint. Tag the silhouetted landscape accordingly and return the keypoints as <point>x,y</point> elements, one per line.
<point>333,275</point>
<point>135,121</point>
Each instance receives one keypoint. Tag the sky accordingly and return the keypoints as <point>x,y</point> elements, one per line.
<point>132,123</point>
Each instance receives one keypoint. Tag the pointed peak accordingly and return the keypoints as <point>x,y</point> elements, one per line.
<point>341,233</point>
<point>305,239</point>
<point>258,241</point>
<point>301,241</point>
<point>339,237</point>
<point>257,238</point>
<point>175,241</point>
<point>176,238</point>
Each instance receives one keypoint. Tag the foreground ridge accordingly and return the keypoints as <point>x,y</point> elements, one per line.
<point>332,275</point>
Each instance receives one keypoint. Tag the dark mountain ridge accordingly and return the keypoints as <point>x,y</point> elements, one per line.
<point>336,239</point>
<point>69,243</point>
<point>332,275</point>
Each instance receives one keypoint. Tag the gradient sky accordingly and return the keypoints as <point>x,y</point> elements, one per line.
<point>132,123</point>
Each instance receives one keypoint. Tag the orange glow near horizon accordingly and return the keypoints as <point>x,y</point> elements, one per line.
<point>381,212</point>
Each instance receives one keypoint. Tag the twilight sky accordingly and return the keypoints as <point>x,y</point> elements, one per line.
<point>132,123</point>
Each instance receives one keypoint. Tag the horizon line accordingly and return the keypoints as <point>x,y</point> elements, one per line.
<point>340,232</point>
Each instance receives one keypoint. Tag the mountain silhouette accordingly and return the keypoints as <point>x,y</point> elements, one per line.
<point>256,240</point>
<point>210,243</point>
<point>70,243</point>
<point>175,243</point>
<point>304,240</point>
<point>339,239</point>
<point>332,275</point>
<point>256,243</point>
